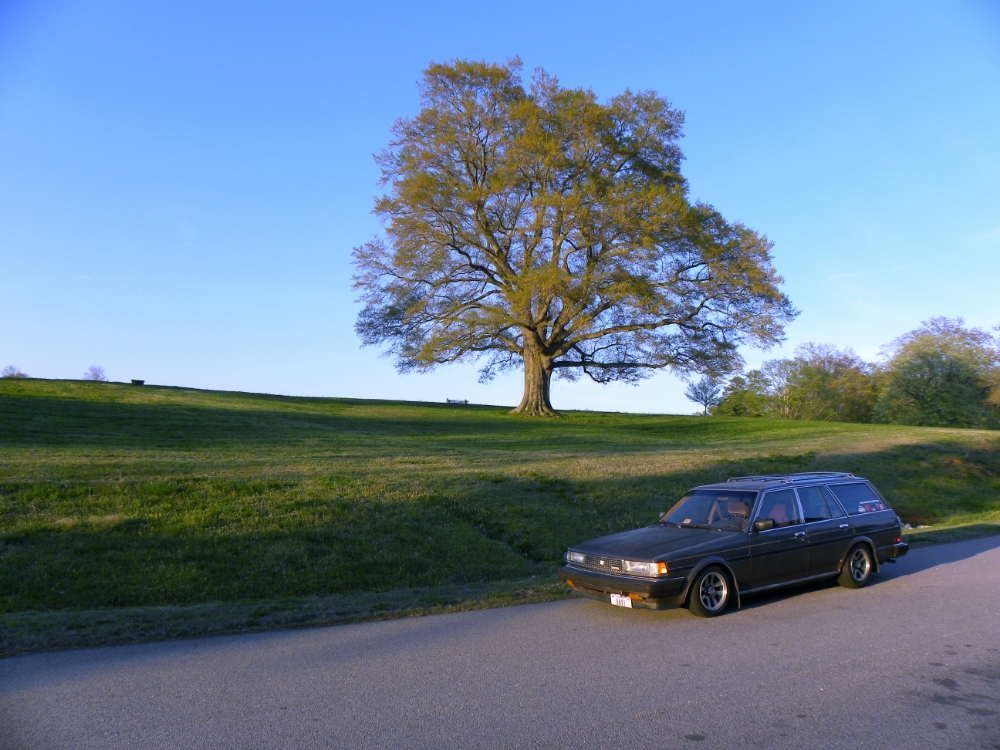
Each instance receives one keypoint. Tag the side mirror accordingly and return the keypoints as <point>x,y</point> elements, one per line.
<point>763,524</point>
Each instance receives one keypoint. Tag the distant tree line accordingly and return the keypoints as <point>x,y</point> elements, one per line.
<point>95,372</point>
<point>941,374</point>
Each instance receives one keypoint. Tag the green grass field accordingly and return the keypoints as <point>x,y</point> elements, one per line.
<point>144,501</point>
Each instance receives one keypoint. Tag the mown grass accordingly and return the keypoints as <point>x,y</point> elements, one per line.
<point>115,497</point>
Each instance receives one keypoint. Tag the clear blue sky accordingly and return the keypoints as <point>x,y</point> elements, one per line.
<point>181,183</point>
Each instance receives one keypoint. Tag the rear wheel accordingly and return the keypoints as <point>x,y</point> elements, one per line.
<point>710,593</point>
<point>857,570</point>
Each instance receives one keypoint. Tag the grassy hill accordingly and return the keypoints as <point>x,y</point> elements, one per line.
<point>115,497</point>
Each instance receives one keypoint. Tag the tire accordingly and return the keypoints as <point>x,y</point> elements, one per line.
<point>858,567</point>
<point>711,593</point>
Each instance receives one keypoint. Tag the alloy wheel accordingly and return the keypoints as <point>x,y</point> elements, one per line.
<point>860,564</point>
<point>713,591</point>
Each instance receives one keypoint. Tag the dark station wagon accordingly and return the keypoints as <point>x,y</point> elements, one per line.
<point>746,535</point>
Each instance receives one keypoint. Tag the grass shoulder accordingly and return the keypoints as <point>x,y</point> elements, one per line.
<point>43,631</point>
<point>956,530</point>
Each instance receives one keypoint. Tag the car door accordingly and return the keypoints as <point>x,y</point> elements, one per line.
<point>829,530</point>
<point>779,554</point>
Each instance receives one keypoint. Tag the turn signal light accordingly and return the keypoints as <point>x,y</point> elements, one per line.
<point>661,569</point>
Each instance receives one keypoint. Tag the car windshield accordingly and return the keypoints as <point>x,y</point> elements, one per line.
<point>727,510</point>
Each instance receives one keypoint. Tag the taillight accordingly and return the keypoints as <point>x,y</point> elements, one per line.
<point>898,540</point>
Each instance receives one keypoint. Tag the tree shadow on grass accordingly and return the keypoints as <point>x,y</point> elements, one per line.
<point>150,418</point>
<point>162,541</point>
<point>171,425</point>
<point>540,517</point>
<point>153,546</point>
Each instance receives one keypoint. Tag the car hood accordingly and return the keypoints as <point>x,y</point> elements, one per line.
<point>650,542</point>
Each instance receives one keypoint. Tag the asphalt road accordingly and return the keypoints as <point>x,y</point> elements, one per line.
<point>910,661</point>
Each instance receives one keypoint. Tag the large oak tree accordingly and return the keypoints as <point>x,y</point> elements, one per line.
<point>542,228</point>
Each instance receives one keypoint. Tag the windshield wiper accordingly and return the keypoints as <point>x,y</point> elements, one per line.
<point>693,526</point>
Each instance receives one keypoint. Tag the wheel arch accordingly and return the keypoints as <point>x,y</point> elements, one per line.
<point>709,562</point>
<point>865,540</point>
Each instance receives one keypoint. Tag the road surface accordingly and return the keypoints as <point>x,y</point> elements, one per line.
<point>911,661</point>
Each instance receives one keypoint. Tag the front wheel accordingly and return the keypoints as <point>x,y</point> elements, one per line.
<point>710,593</point>
<point>857,570</point>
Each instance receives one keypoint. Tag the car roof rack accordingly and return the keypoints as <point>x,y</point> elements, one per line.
<point>789,478</point>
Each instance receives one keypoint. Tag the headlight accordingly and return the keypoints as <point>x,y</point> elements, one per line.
<point>645,568</point>
<point>575,557</point>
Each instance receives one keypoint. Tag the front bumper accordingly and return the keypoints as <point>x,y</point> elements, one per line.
<point>899,549</point>
<point>646,593</point>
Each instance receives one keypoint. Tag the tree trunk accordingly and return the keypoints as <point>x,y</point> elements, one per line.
<point>537,377</point>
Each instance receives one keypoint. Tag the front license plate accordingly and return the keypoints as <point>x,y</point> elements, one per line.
<point>621,601</point>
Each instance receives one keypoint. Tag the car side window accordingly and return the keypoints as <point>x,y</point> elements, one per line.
<point>835,510</point>
<point>780,507</point>
<point>814,505</point>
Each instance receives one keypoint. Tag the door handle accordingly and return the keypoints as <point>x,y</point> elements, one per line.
<point>845,525</point>
<point>800,535</point>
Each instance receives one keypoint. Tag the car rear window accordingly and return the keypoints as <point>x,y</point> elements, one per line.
<point>857,497</point>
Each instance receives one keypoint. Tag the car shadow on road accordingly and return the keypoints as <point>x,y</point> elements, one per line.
<point>919,560</point>
<point>924,558</point>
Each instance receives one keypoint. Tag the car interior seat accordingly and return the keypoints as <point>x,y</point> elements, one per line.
<point>738,508</point>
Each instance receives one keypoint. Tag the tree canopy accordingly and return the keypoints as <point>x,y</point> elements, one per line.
<point>942,374</point>
<point>540,228</point>
<point>707,392</point>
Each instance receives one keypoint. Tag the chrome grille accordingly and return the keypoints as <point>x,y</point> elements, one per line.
<point>604,564</point>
